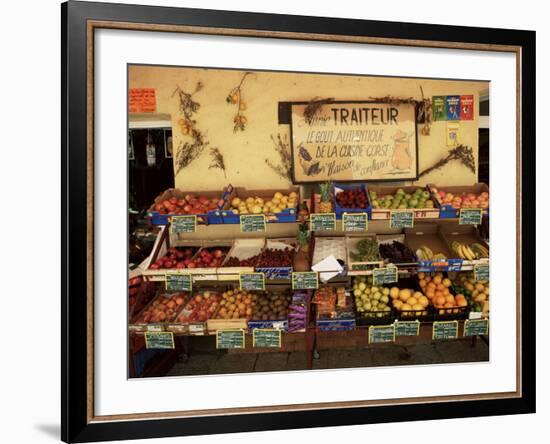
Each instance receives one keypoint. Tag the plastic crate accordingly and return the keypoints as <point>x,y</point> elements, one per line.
<point>341,210</point>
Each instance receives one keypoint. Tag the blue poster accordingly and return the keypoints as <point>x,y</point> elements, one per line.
<point>453,107</point>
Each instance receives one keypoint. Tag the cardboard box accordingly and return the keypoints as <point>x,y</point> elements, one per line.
<point>278,272</point>
<point>389,239</point>
<point>465,234</point>
<point>137,325</point>
<point>447,210</point>
<point>430,236</point>
<point>212,217</point>
<point>384,214</point>
<point>288,215</point>
<point>209,273</point>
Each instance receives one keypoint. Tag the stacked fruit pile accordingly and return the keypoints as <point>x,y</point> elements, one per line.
<point>355,198</point>
<point>372,301</point>
<point>464,200</point>
<point>207,257</point>
<point>408,302</point>
<point>162,309</point>
<point>188,204</point>
<point>271,306</point>
<point>236,304</point>
<point>397,253</point>
<point>438,290</point>
<point>200,307</point>
<point>425,253</point>
<point>419,198</point>
<point>259,205</point>
<point>477,293</point>
<point>272,257</point>
<point>174,258</point>
<point>247,262</point>
<point>469,252</point>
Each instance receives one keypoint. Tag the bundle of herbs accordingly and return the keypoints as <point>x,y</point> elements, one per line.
<point>366,250</point>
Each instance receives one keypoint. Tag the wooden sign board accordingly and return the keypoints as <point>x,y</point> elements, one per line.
<point>266,337</point>
<point>159,340</point>
<point>184,224</point>
<point>179,281</point>
<point>227,339</point>
<point>252,281</point>
<point>322,222</point>
<point>470,216</point>
<point>142,100</point>
<point>445,330</point>
<point>354,141</point>
<point>384,275</point>
<point>481,272</point>
<point>476,327</point>
<point>305,280</point>
<point>381,333</point>
<point>251,223</point>
<point>401,219</point>
<point>407,328</point>
<point>355,222</point>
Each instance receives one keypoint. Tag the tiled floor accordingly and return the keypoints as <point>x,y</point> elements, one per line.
<point>379,355</point>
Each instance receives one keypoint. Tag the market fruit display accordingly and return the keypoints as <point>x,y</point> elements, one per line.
<point>419,198</point>
<point>396,252</point>
<point>272,257</point>
<point>462,200</point>
<point>425,253</point>
<point>259,205</point>
<point>271,306</point>
<point>355,198</point>
<point>206,258</point>
<point>476,293</point>
<point>236,304</point>
<point>366,250</point>
<point>175,257</point>
<point>163,308</point>
<point>409,303</point>
<point>370,300</point>
<point>247,262</point>
<point>469,252</point>
<point>200,307</point>
<point>188,204</point>
<point>437,289</point>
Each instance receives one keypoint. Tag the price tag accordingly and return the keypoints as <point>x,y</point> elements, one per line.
<point>401,219</point>
<point>251,223</point>
<point>476,327</point>
<point>252,281</point>
<point>470,216</point>
<point>445,330</point>
<point>322,221</point>
<point>481,272</point>
<point>305,280</point>
<point>155,327</point>
<point>184,224</point>
<point>355,221</point>
<point>159,340</point>
<point>179,281</point>
<point>407,328</point>
<point>226,339</point>
<point>384,275</point>
<point>266,337</point>
<point>381,333</point>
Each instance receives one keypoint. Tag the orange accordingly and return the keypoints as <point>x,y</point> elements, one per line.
<point>439,301</point>
<point>422,283</point>
<point>421,275</point>
<point>448,305</point>
<point>450,299</point>
<point>430,293</point>
<point>431,285</point>
<point>447,282</point>
<point>446,291</point>
<point>440,287</point>
<point>438,294</point>
<point>437,279</point>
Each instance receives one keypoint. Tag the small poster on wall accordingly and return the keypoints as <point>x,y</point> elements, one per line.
<point>438,108</point>
<point>453,107</point>
<point>354,141</point>
<point>466,107</point>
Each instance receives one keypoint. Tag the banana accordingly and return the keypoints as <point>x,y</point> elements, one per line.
<point>468,252</point>
<point>479,250</point>
<point>427,252</point>
<point>439,257</point>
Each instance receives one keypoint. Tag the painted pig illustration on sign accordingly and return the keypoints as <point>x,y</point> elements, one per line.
<point>402,159</point>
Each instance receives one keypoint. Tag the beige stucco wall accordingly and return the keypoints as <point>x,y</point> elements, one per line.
<point>245,152</point>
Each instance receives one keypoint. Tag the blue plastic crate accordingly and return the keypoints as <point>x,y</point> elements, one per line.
<point>341,210</point>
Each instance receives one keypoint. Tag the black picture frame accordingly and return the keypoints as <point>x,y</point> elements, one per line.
<point>76,423</point>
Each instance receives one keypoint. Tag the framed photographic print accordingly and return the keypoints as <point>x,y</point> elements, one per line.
<point>315,221</point>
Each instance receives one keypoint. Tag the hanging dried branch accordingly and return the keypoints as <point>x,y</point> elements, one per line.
<point>313,106</point>
<point>424,113</point>
<point>462,153</point>
<point>189,151</point>
<point>282,147</point>
<point>235,97</point>
<point>391,100</point>
<point>217,160</point>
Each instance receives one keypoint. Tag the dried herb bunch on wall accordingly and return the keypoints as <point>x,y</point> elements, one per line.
<point>217,160</point>
<point>313,106</point>
<point>282,147</point>
<point>235,97</point>
<point>189,150</point>
<point>464,154</point>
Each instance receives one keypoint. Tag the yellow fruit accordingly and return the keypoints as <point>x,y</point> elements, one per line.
<point>278,195</point>
<point>293,195</point>
<point>256,209</point>
<point>259,201</point>
<point>417,295</point>
<point>398,304</point>
<point>423,301</point>
<point>404,294</point>
<point>446,282</point>
<point>236,202</point>
<point>417,307</point>
<point>412,301</point>
<point>394,292</point>
<point>421,275</point>
<point>406,307</point>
